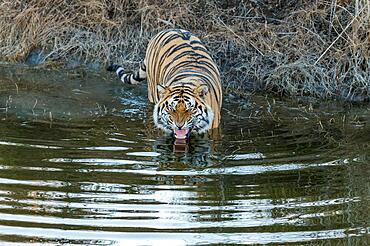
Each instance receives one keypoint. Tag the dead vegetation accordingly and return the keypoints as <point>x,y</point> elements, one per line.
<point>317,48</point>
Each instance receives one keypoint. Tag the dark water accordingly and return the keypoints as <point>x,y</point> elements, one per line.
<point>80,163</point>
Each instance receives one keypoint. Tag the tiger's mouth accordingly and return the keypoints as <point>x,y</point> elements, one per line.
<point>182,134</point>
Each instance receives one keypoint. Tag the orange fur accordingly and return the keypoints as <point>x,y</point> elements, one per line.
<point>192,63</point>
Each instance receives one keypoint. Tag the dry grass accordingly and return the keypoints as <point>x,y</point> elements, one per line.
<point>289,47</point>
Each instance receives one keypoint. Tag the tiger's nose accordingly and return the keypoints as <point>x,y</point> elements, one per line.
<point>179,125</point>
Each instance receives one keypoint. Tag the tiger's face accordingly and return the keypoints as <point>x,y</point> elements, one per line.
<point>182,110</point>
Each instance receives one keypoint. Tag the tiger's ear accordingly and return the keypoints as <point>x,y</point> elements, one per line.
<point>201,90</point>
<point>161,90</point>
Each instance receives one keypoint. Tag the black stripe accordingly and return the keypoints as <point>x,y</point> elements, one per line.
<point>143,67</point>
<point>187,84</point>
<point>186,35</point>
<point>186,74</point>
<point>179,47</point>
<point>196,42</point>
<point>174,93</point>
<point>211,65</point>
<point>178,66</point>
<point>202,49</point>
<point>113,67</point>
<point>174,69</point>
<point>137,76</point>
<point>153,52</point>
<point>164,55</point>
<point>185,64</point>
<point>189,53</point>
<point>203,78</point>
<point>121,73</point>
<point>168,39</point>
<point>127,79</point>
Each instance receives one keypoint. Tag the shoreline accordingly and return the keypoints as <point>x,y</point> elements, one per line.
<point>280,47</point>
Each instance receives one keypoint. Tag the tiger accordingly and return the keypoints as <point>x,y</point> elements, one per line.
<point>183,83</point>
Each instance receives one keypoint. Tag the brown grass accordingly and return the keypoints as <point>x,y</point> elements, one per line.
<point>316,48</point>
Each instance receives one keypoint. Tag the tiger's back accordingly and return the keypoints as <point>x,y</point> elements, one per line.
<point>177,57</point>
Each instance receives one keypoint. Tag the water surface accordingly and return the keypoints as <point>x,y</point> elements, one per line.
<point>81,164</point>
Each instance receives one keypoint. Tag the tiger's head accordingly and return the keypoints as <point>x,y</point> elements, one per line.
<point>182,110</point>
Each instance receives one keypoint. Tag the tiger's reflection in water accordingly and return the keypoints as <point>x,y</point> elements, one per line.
<point>198,152</point>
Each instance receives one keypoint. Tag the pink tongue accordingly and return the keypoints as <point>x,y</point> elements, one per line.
<point>181,134</point>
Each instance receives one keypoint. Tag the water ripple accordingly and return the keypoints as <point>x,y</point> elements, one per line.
<point>133,238</point>
<point>29,145</point>
<point>98,173</point>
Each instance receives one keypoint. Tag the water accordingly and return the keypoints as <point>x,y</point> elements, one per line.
<point>82,165</point>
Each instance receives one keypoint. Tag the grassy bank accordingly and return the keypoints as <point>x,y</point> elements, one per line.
<point>318,48</point>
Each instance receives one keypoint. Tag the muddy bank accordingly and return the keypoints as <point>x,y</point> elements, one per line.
<point>286,47</point>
